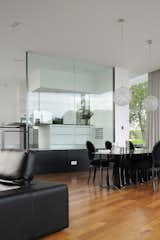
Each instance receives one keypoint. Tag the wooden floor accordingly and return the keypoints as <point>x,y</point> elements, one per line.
<point>129,214</point>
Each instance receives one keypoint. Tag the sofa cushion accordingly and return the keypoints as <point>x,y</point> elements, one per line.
<point>12,164</point>
<point>8,187</point>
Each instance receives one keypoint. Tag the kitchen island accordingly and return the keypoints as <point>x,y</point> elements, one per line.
<point>63,136</point>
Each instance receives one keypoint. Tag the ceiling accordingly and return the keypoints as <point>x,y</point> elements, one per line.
<point>79,29</point>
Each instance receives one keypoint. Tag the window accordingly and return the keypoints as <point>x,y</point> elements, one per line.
<point>137,114</point>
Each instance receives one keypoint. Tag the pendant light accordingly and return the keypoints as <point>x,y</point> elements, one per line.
<point>122,95</point>
<point>150,102</point>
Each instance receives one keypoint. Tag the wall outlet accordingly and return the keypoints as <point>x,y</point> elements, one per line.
<point>74,162</point>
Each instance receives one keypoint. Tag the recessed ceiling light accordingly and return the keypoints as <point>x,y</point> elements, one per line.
<point>121,20</point>
<point>15,25</point>
<point>149,42</point>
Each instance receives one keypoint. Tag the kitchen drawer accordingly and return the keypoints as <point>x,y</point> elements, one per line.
<point>61,130</point>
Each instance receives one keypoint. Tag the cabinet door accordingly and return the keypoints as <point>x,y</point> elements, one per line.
<point>51,161</point>
<point>77,160</point>
<point>61,135</point>
<point>83,134</point>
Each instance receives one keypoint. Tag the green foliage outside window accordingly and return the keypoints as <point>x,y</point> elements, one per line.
<point>137,114</point>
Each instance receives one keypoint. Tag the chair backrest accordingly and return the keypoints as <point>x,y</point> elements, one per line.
<point>91,150</point>
<point>108,145</point>
<point>16,166</point>
<point>131,147</point>
<point>156,154</point>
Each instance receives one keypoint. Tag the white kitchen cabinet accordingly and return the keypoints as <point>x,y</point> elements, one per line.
<point>65,136</point>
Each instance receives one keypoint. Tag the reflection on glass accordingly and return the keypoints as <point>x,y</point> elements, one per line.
<point>73,98</point>
<point>83,111</point>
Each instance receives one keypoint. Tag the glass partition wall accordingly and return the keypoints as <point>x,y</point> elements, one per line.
<point>69,102</point>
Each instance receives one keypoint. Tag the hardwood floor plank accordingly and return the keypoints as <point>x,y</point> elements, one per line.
<point>97,214</point>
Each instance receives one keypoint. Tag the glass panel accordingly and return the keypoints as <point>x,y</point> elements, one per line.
<point>69,102</point>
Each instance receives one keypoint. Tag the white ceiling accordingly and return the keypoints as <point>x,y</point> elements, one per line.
<point>79,29</point>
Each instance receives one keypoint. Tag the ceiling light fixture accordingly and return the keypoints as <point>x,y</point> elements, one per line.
<point>15,24</point>
<point>151,103</point>
<point>122,95</point>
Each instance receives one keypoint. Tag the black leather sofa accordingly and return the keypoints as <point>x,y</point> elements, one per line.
<point>28,209</point>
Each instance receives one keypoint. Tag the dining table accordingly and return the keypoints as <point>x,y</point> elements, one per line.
<point>123,167</point>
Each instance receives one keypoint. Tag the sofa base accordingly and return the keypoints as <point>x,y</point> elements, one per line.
<point>30,212</point>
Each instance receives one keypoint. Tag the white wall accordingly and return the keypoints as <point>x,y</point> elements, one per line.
<point>12,107</point>
<point>121,113</point>
<point>8,103</point>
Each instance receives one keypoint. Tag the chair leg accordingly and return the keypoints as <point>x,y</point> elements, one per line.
<point>120,177</point>
<point>94,174</point>
<point>100,176</point>
<point>107,178</point>
<point>89,176</point>
<point>158,176</point>
<point>136,176</point>
<point>127,176</point>
<point>147,173</point>
<point>141,175</point>
<point>153,180</point>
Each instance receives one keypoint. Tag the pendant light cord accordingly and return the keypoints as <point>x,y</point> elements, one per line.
<point>121,22</point>
<point>149,43</point>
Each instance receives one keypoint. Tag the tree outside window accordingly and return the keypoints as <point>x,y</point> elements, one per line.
<point>137,115</point>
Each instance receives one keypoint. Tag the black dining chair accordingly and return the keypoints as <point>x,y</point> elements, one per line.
<point>131,147</point>
<point>111,159</point>
<point>141,163</point>
<point>125,165</point>
<point>108,145</point>
<point>115,164</point>
<point>156,164</point>
<point>151,163</point>
<point>95,163</point>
